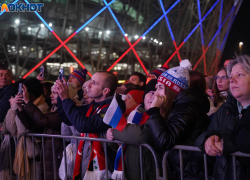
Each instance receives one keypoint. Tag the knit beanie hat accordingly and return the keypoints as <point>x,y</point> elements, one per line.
<point>160,70</point>
<point>177,78</point>
<point>150,87</point>
<point>34,86</point>
<point>80,75</point>
<point>137,95</point>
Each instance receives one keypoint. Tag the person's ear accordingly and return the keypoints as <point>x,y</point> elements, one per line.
<point>141,83</point>
<point>105,91</point>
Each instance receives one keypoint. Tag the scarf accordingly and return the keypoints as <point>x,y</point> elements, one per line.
<point>18,165</point>
<point>135,117</point>
<point>96,167</point>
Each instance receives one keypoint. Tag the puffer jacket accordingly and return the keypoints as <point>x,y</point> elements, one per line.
<point>187,120</point>
<point>51,124</point>
<point>227,125</point>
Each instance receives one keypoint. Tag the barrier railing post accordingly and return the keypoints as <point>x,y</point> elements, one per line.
<point>54,161</point>
<point>44,169</point>
<point>164,166</point>
<point>24,156</point>
<point>157,171</point>
<point>181,163</point>
<point>234,167</point>
<point>205,166</point>
<point>34,163</point>
<point>106,162</point>
<point>141,163</point>
<point>65,159</point>
<point>10,158</point>
<point>123,165</point>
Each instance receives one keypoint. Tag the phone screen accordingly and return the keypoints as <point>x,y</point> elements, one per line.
<point>20,88</point>
<point>61,74</point>
<point>42,70</point>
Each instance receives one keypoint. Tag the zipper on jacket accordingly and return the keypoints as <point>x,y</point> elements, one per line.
<point>240,116</point>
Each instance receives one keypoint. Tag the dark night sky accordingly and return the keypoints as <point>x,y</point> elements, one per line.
<point>240,32</point>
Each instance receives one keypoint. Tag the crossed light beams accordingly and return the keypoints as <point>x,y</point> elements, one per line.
<point>141,36</point>
<point>220,49</point>
<point>131,46</point>
<point>202,38</point>
<point>205,16</point>
<point>119,25</point>
<point>170,30</point>
<point>218,39</point>
<point>220,27</point>
<point>63,43</point>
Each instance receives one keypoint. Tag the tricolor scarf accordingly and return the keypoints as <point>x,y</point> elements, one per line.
<point>96,166</point>
<point>135,117</point>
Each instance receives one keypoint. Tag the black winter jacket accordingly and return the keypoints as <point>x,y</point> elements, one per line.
<point>51,124</point>
<point>5,94</point>
<point>187,120</point>
<point>227,125</point>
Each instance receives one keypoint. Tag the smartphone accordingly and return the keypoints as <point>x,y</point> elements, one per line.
<point>61,74</point>
<point>42,70</point>
<point>20,88</point>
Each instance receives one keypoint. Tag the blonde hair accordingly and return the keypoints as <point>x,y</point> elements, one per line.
<point>243,60</point>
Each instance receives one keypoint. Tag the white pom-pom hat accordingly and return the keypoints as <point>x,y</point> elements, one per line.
<point>177,78</point>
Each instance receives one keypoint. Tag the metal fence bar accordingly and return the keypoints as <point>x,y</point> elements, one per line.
<point>54,161</point>
<point>106,162</point>
<point>234,167</point>
<point>34,163</point>
<point>44,169</point>
<point>157,171</point>
<point>10,158</point>
<point>65,159</point>
<point>24,156</point>
<point>196,149</point>
<point>141,163</point>
<point>205,166</point>
<point>181,163</point>
<point>123,165</point>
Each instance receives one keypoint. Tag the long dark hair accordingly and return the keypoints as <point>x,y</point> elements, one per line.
<point>167,108</point>
<point>217,98</point>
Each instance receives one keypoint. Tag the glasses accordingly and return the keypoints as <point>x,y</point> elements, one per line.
<point>223,78</point>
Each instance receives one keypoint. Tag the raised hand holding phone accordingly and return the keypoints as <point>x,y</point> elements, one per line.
<point>61,74</point>
<point>40,76</point>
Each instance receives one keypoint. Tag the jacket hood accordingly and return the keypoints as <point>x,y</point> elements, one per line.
<point>193,95</point>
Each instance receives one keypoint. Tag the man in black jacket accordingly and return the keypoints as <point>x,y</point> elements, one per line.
<point>7,89</point>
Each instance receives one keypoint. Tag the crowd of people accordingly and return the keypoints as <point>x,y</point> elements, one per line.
<point>171,106</point>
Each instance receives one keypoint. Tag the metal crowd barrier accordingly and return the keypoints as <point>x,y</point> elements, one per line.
<point>196,149</point>
<point>105,141</point>
<point>10,152</point>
